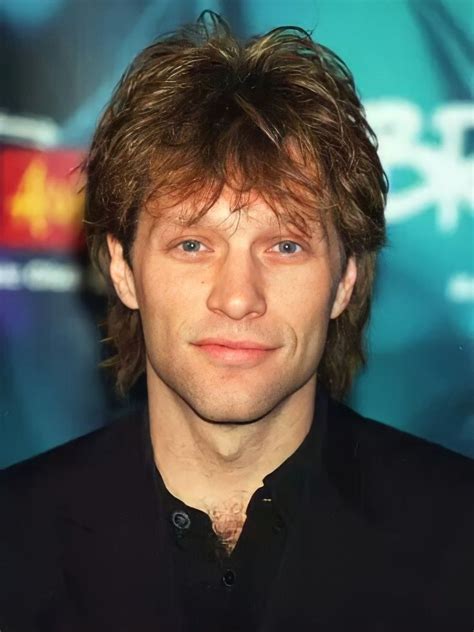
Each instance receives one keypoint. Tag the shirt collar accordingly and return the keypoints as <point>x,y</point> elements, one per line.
<point>288,482</point>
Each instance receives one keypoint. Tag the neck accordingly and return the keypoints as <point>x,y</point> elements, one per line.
<point>216,467</point>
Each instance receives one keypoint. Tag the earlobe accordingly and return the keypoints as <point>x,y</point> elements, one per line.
<point>121,274</point>
<point>345,288</point>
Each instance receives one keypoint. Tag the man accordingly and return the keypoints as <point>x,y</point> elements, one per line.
<point>235,205</point>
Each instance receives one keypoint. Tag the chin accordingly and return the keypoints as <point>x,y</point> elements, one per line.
<point>243,410</point>
<point>228,417</point>
<point>243,401</point>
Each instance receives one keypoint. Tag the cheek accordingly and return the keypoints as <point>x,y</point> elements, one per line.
<point>167,300</point>
<point>305,297</point>
<point>304,304</point>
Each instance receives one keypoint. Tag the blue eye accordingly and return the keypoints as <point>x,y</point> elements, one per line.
<point>288,247</point>
<point>190,245</point>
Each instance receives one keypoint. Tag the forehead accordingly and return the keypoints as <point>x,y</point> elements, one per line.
<point>230,211</point>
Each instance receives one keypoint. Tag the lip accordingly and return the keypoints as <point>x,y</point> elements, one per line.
<point>233,344</point>
<point>241,353</point>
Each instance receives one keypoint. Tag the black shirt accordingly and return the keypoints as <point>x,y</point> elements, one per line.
<point>235,587</point>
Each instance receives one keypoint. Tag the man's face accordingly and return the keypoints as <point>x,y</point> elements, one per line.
<point>235,308</point>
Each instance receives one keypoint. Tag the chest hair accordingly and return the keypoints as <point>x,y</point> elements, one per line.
<point>228,521</point>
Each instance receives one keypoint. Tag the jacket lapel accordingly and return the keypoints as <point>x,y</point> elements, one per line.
<point>115,558</point>
<point>326,549</point>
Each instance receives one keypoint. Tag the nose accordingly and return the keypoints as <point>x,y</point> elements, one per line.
<point>237,288</point>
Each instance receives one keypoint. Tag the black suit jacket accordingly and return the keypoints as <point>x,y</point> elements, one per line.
<point>383,543</point>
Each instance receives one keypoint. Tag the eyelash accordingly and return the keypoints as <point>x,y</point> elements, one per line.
<point>293,243</point>
<point>196,241</point>
<point>190,241</point>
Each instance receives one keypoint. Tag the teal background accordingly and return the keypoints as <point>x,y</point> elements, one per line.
<point>412,61</point>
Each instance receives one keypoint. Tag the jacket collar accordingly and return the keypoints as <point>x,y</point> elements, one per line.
<point>326,461</point>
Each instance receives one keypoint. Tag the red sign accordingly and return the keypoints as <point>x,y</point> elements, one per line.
<point>41,204</point>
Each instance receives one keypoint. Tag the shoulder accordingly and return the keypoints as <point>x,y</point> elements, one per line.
<point>377,443</point>
<point>413,495</point>
<point>39,496</point>
<point>399,476</point>
<point>53,473</point>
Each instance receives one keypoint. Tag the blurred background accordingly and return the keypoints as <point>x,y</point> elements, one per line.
<point>412,61</point>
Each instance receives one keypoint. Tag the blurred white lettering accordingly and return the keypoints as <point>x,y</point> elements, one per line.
<point>40,275</point>
<point>461,288</point>
<point>434,151</point>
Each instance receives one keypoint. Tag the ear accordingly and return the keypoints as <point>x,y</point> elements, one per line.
<point>121,274</point>
<point>345,288</point>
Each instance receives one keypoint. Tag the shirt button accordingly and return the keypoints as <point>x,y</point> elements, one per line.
<point>180,519</point>
<point>228,579</point>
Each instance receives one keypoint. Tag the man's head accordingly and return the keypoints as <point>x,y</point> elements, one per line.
<point>237,188</point>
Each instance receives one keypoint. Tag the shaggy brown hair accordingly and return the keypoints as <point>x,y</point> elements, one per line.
<point>278,115</point>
